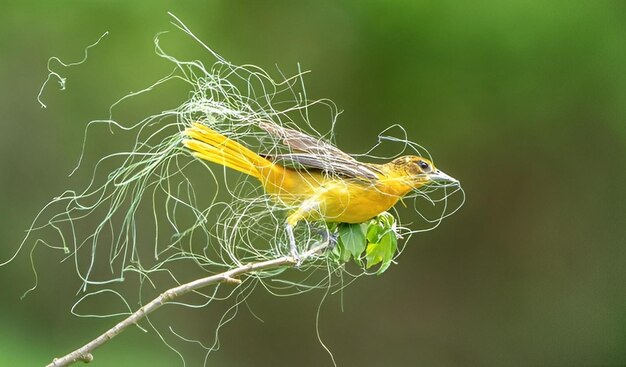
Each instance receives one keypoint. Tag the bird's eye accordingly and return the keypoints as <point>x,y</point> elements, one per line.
<point>424,166</point>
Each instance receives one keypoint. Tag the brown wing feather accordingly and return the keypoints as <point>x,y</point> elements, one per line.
<point>318,154</point>
<point>302,142</point>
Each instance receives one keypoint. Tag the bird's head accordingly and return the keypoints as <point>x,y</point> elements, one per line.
<point>420,171</point>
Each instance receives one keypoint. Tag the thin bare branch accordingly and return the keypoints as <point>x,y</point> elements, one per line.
<point>84,353</point>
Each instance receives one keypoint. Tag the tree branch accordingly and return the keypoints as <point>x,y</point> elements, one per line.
<point>84,353</point>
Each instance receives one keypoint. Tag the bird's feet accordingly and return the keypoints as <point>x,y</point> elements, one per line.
<point>331,238</point>
<point>292,245</point>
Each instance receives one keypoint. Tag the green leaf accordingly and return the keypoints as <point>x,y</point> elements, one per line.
<point>387,219</point>
<point>374,231</point>
<point>332,227</point>
<point>382,252</point>
<point>335,253</point>
<point>352,238</point>
<point>379,226</point>
<point>373,255</point>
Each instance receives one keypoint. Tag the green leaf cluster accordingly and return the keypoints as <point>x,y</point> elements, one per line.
<point>370,243</point>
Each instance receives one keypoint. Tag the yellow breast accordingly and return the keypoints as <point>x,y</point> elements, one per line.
<point>315,196</point>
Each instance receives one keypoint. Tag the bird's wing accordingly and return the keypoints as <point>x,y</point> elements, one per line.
<point>302,142</point>
<point>318,154</point>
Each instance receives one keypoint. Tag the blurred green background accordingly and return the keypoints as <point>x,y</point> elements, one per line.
<point>523,101</point>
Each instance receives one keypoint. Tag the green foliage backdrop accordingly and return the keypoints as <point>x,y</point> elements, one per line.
<point>523,101</point>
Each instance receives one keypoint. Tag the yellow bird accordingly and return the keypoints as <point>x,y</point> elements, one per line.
<point>323,183</point>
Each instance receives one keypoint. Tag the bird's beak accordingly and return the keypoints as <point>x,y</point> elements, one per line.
<point>439,176</point>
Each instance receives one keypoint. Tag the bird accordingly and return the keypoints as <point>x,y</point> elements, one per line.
<point>315,179</point>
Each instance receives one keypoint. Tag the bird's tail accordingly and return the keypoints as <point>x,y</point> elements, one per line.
<point>212,146</point>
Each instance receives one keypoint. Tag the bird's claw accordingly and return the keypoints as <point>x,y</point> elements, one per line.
<point>292,245</point>
<point>296,256</point>
<point>329,237</point>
